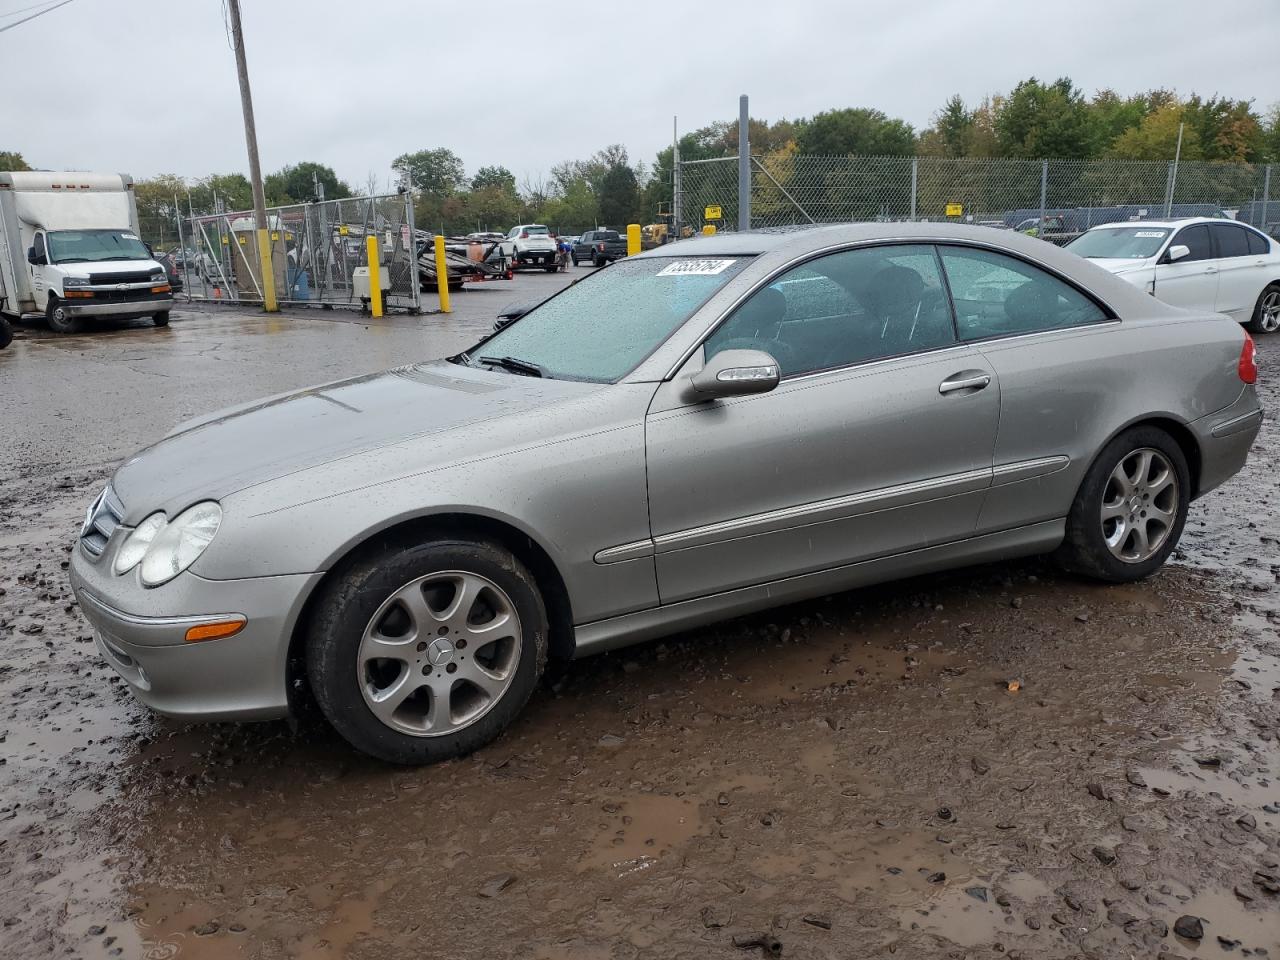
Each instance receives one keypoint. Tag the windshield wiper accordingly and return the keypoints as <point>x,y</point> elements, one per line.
<point>73,260</point>
<point>516,365</point>
<point>103,259</point>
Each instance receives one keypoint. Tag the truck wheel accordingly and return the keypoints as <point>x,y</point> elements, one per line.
<point>161,319</point>
<point>598,262</point>
<point>6,333</point>
<point>59,320</point>
<point>575,261</point>
<point>552,267</point>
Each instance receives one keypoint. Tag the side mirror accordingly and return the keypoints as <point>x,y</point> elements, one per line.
<point>33,258</point>
<point>1177,252</point>
<point>513,312</point>
<point>734,373</point>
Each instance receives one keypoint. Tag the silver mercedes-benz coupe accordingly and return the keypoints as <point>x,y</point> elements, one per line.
<point>712,427</point>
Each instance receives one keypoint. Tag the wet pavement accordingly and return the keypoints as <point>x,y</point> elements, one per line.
<point>996,762</point>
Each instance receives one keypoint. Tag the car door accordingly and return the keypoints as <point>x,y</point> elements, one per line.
<point>39,283</point>
<point>1192,281</point>
<point>1052,347</point>
<point>1240,277</point>
<point>878,440</point>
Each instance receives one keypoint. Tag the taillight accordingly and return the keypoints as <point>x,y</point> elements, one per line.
<point>1248,365</point>
<point>601,248</point>
<point>524,234</point>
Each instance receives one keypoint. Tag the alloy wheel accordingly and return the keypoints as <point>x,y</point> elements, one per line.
<point>1269,312</point>
<point>439,653</point>
<point>1139,505</point>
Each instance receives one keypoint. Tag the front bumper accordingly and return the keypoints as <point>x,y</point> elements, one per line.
<point>124,310</point>
<point>242,677</point>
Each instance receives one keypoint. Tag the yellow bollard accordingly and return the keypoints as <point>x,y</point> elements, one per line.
<point>442,275</point>
<point>375,276</point>
<point>709,230</point>
<point>633,239</point>
<point>268,273</point>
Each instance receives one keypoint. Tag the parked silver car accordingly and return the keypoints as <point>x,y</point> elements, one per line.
<point>717,426</point>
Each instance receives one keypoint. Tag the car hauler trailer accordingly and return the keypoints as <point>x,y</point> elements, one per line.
<point>70,250</point>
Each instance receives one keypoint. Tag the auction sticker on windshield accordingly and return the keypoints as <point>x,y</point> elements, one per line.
<point>1150,233</point>
<point>695,268</point>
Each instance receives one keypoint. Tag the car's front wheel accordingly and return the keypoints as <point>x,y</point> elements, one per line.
<point>1266,312</point>
<point>426,652</point>
<point>59,318</point>
<point>160,319</point>
<point>1130,510</point>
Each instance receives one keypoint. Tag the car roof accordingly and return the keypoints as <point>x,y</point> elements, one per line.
<point>1164,224</point>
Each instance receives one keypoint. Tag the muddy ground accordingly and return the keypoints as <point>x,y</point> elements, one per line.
<point>998,762</point>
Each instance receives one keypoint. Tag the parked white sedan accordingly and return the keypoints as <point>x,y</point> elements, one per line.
<point>1198,263</point>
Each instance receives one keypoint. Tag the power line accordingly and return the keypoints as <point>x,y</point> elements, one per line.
<point>14,13</point>
<point>41,13</point>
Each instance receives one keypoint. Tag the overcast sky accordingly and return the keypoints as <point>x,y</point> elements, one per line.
<point>148,86</point>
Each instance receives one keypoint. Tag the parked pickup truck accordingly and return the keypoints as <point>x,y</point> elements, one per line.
<point>599,247</point>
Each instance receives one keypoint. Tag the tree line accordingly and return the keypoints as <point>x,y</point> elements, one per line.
<point>1034,120</point>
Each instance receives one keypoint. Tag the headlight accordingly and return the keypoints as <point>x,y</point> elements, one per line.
<point>75,282</point>
<point>165,549</point>
<point>135,548</point>
<point>158,274</point>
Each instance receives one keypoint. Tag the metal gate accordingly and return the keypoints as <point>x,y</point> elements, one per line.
<point>315,250</point>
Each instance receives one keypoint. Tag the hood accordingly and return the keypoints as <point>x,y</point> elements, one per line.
<point>107,267</point>
<point>214,456</point>
<point>1121,265</point>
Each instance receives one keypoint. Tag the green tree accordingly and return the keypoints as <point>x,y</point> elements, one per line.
<point>10,161</point>
<point>233,189</point>
<point>1271,135</point>
<point>855,130</point>
<point>1156,138</point>
<point>574,208</point>
<point>1227,129</point>
<point>952,132</point>
<point>499,177</point>
<point>619,195</point>
<point>439,171</point>
<point>295,183</point>
<point>1039,120</point>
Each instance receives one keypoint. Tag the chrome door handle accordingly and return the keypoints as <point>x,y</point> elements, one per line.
<point>952,384</point>
<point>1210,269</point>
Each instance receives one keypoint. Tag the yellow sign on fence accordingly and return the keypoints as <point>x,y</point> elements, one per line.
<point>342,230</point>
<point>955,209</point>
<point>712,212</point>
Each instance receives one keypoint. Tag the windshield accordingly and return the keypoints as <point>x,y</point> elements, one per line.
<point>601,327</point>
<point>1131,243</point>
<point>536,231</point>
<point>92,246</point>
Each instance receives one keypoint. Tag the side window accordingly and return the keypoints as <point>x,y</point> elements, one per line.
<point>1258,244</point>
<point>38,244</point>
<point>1196,239</point>
<point>844,308</point>
<point>1231,240</point>
<point>998,296</point>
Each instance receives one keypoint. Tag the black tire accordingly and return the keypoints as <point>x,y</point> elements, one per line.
<point>160,319</point>
<point>575,261</point>
<point>1085,549</point>
<point>6,333</point>
<point>598,262</point>
<point>59,320</point>
<point>1268,303</point>
<point>355,594</point>
<point>552,267</point>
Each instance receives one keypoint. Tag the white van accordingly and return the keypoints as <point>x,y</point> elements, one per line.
<point>69,249</point>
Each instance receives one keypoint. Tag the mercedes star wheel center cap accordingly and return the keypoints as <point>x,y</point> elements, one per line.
<point>440,652</point>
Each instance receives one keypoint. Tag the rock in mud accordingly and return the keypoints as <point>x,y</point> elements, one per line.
<point>1189,927</point>
<point>820,920</point>
<point>495,885</point>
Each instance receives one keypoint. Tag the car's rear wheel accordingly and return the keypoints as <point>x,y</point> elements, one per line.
<point>1130,510</point>
<point>426,652</point>
<point>59,318</point>
<point>575,261</point>
<point>1266,313</point>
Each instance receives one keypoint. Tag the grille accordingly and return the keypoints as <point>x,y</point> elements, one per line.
<point>101,522</point>
<point>108,279</point>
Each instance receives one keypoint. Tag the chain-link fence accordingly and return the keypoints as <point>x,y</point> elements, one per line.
<point>1058,199</point>
<point>315,250</point>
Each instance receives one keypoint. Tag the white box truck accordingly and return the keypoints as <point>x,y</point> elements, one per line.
<point>70,250</point>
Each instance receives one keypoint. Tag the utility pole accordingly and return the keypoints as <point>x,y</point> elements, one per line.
<point>744,164</point>
<point>1173,175</point>
<point>255,170</point>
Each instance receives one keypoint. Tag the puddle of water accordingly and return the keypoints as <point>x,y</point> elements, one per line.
<point>1208,782</point>
<point>634,832</point>
<point>1224,914</point>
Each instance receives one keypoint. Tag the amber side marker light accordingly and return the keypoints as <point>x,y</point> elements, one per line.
<point>218,630</point>
<point>162,288</point>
